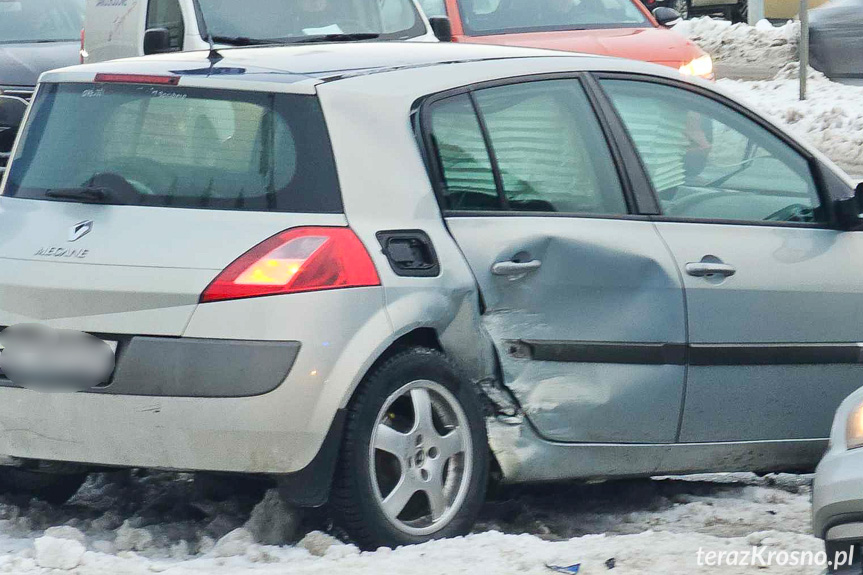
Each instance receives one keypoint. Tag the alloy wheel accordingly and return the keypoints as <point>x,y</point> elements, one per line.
<point>421,457</point>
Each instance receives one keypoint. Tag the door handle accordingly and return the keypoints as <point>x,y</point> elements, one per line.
<point>706,269</point>
<point>515,268</point>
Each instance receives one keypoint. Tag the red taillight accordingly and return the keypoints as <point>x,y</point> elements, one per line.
<point>296,260</point>
<point>82,53</point>
<point>137,79</point>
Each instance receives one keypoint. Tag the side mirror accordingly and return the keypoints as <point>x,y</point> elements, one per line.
<point>666,16</point>
<point>442,28</point>
<point>848,211</point>
<point>157,41</point>
<point>12,112</point>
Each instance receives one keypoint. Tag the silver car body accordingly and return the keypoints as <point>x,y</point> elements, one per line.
<point>602,280</point>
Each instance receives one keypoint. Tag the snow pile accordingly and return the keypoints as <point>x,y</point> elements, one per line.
<point>741,44</point>
<point>159,523</point>
<point>831,118</point>
<point>54,553</point>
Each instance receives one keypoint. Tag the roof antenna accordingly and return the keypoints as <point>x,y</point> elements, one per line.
<point>214,56</point>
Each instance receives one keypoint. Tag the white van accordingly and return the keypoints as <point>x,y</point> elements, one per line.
<point>127,28</point>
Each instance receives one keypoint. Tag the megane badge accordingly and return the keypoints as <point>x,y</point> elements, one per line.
<point>80,230</point>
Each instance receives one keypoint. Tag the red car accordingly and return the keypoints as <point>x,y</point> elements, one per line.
<point>623,28</point>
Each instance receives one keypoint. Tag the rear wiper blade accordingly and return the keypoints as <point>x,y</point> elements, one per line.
<point>87,195</point>
<point>245,41</point>
<point>333,38</point>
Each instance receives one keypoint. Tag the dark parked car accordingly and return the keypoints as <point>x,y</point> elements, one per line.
<point>35,36</point>
<point>836,32</point>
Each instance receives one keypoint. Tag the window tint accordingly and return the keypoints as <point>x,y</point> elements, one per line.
<point>483,17</point>
<point>177,147</point>
<point>433,7</point>
<point>708,161</point>
<point>167,14</point>
<point>464,161</point>
<point>550,149</point>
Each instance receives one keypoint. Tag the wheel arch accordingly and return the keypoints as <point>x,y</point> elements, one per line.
<point>429,337</point>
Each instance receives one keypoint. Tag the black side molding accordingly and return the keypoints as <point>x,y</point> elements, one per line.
<point>603,352</point>
<point>775,354</point>
<point>681,354</point>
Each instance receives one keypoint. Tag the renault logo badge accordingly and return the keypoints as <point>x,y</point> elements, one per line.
<point>80,230</point>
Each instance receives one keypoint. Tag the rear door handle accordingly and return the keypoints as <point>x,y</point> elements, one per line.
<point>515,268</point>
<point>705,269</point>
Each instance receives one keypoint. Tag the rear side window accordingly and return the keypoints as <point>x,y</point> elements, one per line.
<point>166,14</point>
<point>550,149</point>
<point>546,151</point>
<point>177,147</point>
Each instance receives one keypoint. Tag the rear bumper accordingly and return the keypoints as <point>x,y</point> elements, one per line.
<point>275,432</point>
<point>191,367</point>
<point>261,434</point>
<point>837,497</point>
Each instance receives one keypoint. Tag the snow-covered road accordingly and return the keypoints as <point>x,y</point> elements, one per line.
<point>156,523</point>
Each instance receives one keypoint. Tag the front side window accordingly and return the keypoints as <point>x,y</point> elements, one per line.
<point>484,17</point>
<point>39,21</point>
<point>708,161</point>
<point>546,151</point>
<point>166,14</point>
<point>176,147</point>
<point>287,20</point>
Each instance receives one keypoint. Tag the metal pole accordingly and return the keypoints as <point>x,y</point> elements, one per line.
<point>756,11</point>
<point>804,46</point>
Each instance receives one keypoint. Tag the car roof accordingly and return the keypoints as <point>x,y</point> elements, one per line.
<point>304,65</point>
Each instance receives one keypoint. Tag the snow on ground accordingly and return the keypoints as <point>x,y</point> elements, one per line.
<point>742,44</point>
<point>831,118</point>
<point>137,524</point>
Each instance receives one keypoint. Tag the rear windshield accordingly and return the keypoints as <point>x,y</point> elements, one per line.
<point>179,147</point>
<point>40,20</point>
<point>483,17</point>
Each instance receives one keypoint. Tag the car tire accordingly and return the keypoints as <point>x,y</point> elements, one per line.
<point>53,488</point>
<point>404,478</point>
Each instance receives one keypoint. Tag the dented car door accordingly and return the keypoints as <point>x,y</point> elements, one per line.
<point>582,299</point>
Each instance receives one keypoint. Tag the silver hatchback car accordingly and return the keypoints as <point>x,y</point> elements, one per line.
<point>378,271</point>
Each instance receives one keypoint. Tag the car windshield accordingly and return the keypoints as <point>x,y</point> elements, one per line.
<point>177,147</point>
<point>290,19</point>
<point>483,17</point>
<point>40,20</point>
